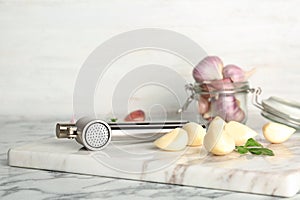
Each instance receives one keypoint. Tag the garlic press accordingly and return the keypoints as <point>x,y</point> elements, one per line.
<point>95,134</point>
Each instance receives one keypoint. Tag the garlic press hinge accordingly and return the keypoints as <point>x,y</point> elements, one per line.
<point>66,131</point>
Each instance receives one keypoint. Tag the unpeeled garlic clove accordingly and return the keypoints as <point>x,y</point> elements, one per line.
<point>239,132</point>
<point>137,115</point>
<point>208,69</point>
<point>203,105</point>
<point>175,140</point>
<point>222,84</point>
<point>216,140</point>
<point>195,133</point>
<point>277,133</point>
<point>226,106</point>
<point>237,74</point>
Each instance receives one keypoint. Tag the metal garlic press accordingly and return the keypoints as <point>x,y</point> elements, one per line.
<point>95,134</point>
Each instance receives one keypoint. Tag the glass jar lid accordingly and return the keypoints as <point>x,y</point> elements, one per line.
<point>279,110</point>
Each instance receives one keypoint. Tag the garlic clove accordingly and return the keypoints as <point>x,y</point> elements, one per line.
<point>195,133</point>
<point>208,116</point>
<point>237,115</point>
<point>237,74</point>
<point>175,140</point>
<point>203,105</point>
<point>222,84</point>
<point>239,132</point>
<point>227,107</point>
<point>210,68</point>
<point>137,115</point>
<point>224,146</point>
<point>216,140</point>
<point>277,133</point>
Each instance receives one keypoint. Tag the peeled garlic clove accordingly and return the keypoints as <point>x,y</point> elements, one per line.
<point>216,140</point>
<point>175,140</point>
<point>210,68</point>
<point>277,133</point>
<point>137,115</point>
<point>195,133</point>
<point>239,132</point>
<point>224,146</point>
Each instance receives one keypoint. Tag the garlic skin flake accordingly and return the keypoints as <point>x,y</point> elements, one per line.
<point>277,133</point>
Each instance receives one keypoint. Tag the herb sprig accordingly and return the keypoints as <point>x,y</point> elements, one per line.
<point>114,119</point>
<point>254,147</point>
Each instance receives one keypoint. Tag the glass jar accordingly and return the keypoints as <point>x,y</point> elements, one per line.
<point>218,98</point>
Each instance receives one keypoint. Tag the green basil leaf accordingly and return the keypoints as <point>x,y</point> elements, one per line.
<point>261,151</point>
<point>252,143</point>
<point>256,151</point>
<point>113,119</point>
<point>241,149</point>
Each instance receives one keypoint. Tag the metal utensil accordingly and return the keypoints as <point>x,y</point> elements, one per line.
<point>95,134</point>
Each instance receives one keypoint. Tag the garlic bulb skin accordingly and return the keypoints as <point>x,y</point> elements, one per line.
<point>208,69</point>
<point>277,133</point>
<point>216,140</point>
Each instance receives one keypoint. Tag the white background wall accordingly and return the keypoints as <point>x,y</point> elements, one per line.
<point>44,43</point>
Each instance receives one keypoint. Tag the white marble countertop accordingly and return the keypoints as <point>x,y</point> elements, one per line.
<point>19,183</point>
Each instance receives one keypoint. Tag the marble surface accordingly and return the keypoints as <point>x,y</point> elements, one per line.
<point>16,183</point>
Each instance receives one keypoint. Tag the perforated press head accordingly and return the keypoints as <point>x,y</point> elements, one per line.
<point>93,134</point>
<point>96,135</point>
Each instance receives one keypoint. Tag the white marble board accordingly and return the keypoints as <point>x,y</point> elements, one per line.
<point>278,175</point>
